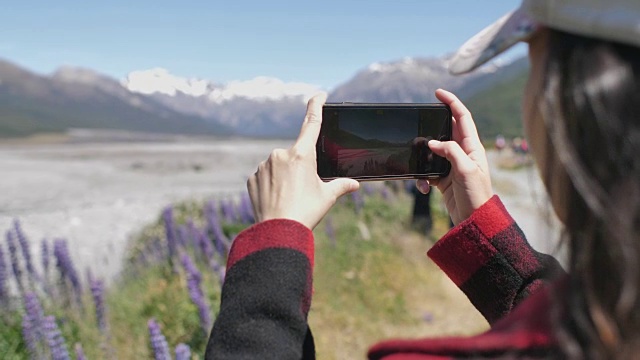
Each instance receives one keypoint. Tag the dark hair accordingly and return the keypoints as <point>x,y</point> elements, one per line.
<point>591,107</point>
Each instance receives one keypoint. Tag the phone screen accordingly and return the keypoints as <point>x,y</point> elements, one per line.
<point>370,141</point>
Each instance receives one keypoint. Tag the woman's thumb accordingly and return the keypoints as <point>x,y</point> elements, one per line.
<point>339,187</point>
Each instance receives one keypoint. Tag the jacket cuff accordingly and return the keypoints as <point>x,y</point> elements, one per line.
<point>276,233</point>
<point>468,247</point>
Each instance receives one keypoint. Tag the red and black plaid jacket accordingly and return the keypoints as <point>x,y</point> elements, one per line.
<point>267,293</point>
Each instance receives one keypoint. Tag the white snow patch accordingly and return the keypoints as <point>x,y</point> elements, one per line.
<point>159,80</point>
<point>263,88</point>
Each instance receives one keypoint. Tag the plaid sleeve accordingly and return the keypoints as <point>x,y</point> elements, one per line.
<point>489,258</point>
<point>266,295</point>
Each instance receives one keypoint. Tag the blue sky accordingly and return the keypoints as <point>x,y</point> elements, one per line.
<point>322,42</point>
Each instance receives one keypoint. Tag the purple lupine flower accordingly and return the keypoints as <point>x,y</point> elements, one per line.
<point>205,245</point>
<point>97,293</point>
<point>159,344</point>
<point>57,345</point>
<point>4,289</point>
<point>15,264</point>
<point>182,236</point>
<point>228,211</point>
<point>207,249</point>
<point>409,186</point>
<point>35,314</point>
<point>80,352</point>
<point>169,225</point>
<point>156,250</point>
<point>183,352</point>
<point>194,278</point>
<point>26,249</point>
<point>368,188</point>
<point>65,266</point>
<point>385,193</point>
<point>330,230</point>
<point>358,201</point>
<point>33,325</point>
<point>194,234</point>
<point>213,220</point>
<point>44,252</point>
<point>246,209</point>
<point>29,337</point>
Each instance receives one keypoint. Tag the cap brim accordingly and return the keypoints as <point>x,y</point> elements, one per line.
<point>510,29</point>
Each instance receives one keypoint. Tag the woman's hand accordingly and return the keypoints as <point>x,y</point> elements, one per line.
<point>468,185</point>
<point>287,186</point>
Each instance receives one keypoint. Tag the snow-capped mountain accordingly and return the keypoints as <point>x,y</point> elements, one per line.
<point>261,88</point>
<point>416,79</point>
<point>263,106</point>
<point>156,100</point>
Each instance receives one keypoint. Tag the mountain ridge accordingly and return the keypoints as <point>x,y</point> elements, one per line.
<point>156,101</point>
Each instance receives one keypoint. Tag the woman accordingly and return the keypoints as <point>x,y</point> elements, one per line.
<point>582,117</point>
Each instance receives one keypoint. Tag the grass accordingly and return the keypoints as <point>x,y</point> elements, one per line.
<point>372,282</point>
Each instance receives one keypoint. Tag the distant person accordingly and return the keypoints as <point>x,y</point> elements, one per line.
<point>500,143</point>
<point>580,111</point>
<point>421,219</point>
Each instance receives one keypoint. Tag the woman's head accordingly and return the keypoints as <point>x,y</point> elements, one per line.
<point>582,117</point>
<point>582,114</point>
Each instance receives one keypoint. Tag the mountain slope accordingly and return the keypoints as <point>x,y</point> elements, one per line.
<point>415,80</point>
<point>497,110</point>
<point>31,103</point>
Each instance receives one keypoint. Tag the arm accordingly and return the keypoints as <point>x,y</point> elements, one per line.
<point>267,290</point>
<point>266,295</point>
<point>489,258</point>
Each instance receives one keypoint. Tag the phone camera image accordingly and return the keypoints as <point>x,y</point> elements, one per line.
<point>382,141</point>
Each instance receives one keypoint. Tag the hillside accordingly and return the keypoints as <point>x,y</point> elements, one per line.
<point>77,98</point>
<point>497,110</point>
<point>159,102</point>
<point>372,281</point>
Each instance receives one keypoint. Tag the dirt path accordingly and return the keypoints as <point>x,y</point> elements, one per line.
<point>524,196</point>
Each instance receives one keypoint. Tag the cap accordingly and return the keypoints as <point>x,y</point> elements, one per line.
<point>613,20</point>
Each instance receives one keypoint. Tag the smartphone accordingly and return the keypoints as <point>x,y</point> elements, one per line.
<point>366,141</point>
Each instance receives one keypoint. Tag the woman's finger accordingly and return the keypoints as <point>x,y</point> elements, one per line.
<point>424,186</point>
<point>464,121</point>
<point>342,186</point>
<point>452,151</point>
<point>306,143</point>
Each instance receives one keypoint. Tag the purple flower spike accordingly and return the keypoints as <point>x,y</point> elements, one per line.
<point>29,337</point>
<point>169,225</point>
<point>97,293</point>
<point>4,289</point>
<point>205,245</point>
<point>15,264</point>
<point>246,209</point>
<point>65,266</point>
<point>183,352</point>
<point>80,352</point>
<point>183,236</point>
<point>384,191</point>
<point>26,249</point>
<point>368,189</point>
<point>228,211</point>
<point>159,344</point>
<point>194,234</point>
<point>220,239</point>
<point>35,314</point>
<point>45,257</point>
<point>358,201</point>
<point>56,342</point>
<point>194,278</point>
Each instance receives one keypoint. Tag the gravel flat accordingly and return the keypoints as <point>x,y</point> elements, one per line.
<point>98,195</point>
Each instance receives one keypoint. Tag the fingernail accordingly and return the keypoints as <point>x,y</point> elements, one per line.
<point>423,186</point>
